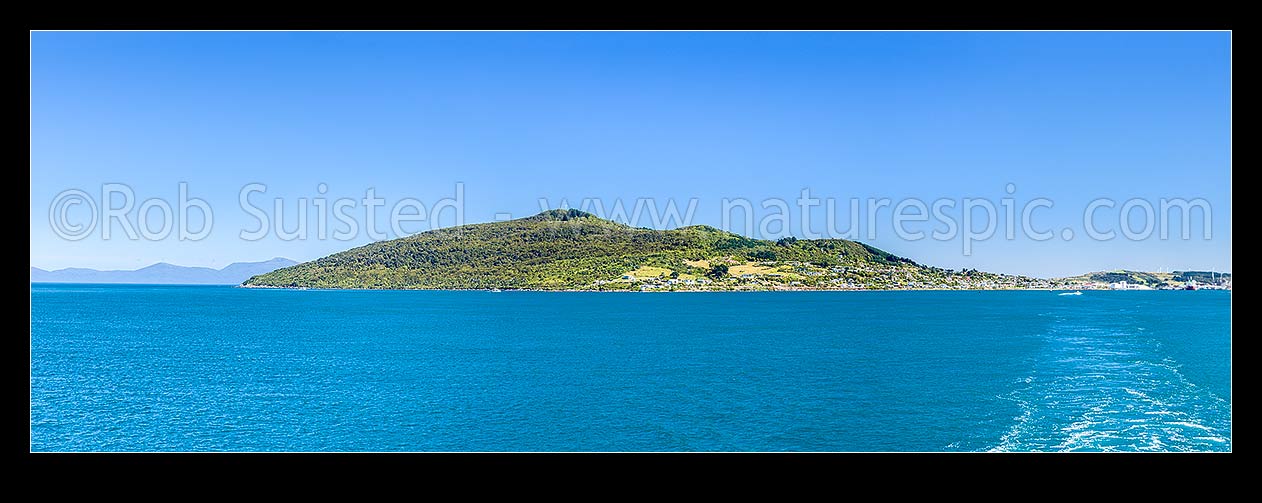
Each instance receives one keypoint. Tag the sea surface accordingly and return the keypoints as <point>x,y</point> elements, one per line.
<point>207,368</point>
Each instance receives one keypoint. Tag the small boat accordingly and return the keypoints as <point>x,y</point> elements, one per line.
<point>495,290</point>
<point>1071,293</point>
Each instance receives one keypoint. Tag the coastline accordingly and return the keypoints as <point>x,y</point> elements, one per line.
<point>733,290</point>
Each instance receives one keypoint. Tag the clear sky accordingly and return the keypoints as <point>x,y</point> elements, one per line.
<point>516,117</point>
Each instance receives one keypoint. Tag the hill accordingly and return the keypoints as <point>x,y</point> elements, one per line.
<point>571,249</point>
<point>1175,280</point>
<point>163,273</point>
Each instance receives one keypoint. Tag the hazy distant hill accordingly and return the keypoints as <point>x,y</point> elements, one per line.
<point>163,273</point>
<point>1152,279</point>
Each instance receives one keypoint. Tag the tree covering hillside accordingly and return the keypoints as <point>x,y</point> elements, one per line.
<point>571,249</point>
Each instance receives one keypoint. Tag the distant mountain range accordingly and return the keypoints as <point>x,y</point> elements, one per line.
<point>163,274</point>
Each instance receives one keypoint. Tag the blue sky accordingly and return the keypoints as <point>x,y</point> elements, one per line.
<point>515,117</point>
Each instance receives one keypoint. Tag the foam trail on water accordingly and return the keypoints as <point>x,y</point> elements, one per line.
<point>1111,389</point>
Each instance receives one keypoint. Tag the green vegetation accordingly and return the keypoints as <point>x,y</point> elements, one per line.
<point>571,249</point>
<point>718,271</point>
<point>1200,276</point>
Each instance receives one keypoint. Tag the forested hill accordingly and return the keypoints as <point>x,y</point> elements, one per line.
<point>571,249</point>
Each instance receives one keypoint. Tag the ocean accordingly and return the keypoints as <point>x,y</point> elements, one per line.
<point>210,368</point>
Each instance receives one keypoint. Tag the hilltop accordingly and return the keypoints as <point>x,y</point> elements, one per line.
<point>571,249</point>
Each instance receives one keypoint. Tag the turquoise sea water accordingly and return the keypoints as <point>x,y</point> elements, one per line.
<point>191,368</point>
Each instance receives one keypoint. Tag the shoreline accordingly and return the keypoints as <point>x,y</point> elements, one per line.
<point>742,290</point>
